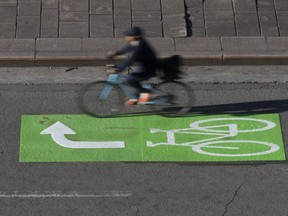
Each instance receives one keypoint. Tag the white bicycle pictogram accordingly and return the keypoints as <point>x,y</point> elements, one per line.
<point>221,131</point>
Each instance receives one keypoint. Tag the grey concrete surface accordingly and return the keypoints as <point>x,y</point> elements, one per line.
<point>181,189</point>
<point>197,74</point>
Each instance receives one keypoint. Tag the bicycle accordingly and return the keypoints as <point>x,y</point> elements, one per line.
<point>105,98</point>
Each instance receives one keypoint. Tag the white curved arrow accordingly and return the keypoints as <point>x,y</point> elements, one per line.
<point>58,131</point>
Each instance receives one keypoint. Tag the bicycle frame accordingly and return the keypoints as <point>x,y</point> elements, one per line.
<point>118,79</point>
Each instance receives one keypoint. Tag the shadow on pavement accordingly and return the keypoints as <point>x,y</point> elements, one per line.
<point>248,108</point>
<point>257,107</point>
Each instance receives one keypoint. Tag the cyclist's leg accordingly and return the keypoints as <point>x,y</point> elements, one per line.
<point>142,94</point>
<point>132,88</point>
<point>135,82</point>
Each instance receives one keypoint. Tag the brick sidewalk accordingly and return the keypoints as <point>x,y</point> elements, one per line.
<point>160,18</point>
<point>90,18</point>
<point>72,32</point>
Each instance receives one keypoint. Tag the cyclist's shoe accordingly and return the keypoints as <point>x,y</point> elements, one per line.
<point>145,98</point>
<point>131,102</point>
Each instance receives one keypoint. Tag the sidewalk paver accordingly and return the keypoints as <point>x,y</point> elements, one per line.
<point>17,52</point>
<point>50,4</point>
<point>73,30</point>
<point>29,8</point>
<point>151,28</point>
<point>8,3</point>
<point>220,28</point>
<point>96,44</point>
<point>219,15</point>
<point>218,5</point>
<point>244,43</point>
<point>7,30</point>
<point>276,43</point>
<point>247,24</point>
<point>73,17</point>
<point>245,6</point>
<point>101,25</point>
<point>122,5</point>
<point>19,45</point>
<point>194,3</point>
<point>198,32</point>
<point>122,17</point>
<point>219,18</point>
<point>74,5</point>
<point>266,5</point>
<point>101,7</point>
<point>162,44</point>
<point>281,5</point>
<point>208,43</point>
<point>49,23</point>
<point>147,5</point>
<point>282,17</point>
<point>220,23</point>
<point>28,27</point>
<point>268,24</point>
<point>172,7</point>
<point>8,14</point>
<point>58,45</point>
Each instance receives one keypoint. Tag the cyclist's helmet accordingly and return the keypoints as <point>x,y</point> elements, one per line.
<point>134,31</point>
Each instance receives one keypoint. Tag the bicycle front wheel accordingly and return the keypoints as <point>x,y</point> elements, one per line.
<point>174,99</point>
<point>100,99</point>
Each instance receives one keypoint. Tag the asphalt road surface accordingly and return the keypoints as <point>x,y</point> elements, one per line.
<point>174,189</point>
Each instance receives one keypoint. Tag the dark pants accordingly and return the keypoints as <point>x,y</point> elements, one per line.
<point>134,80</point>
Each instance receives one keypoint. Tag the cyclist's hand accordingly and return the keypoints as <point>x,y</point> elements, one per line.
<point>111,71</point>
<point>111,54</point>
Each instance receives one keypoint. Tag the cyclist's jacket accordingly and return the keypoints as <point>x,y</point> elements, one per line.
<point>139,52</point>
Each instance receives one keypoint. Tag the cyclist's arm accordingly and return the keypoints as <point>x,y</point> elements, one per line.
<point>124,50</point>
<point>129,61</point>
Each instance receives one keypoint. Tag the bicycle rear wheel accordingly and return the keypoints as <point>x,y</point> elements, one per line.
<point>100,99</point>
<point>175,99</point>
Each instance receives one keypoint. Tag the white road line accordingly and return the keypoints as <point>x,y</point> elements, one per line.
<point>71,194</point>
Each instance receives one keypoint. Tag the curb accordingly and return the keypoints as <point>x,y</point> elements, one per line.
<point>194,50</point>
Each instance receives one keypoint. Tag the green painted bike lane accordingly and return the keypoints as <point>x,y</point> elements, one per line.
<point>147,138</point>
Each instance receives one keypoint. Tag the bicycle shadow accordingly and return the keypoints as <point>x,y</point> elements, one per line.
<point>257,107</point>
<point>248,108</point>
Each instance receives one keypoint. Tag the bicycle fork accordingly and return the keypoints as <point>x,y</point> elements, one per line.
<point>108,88</point>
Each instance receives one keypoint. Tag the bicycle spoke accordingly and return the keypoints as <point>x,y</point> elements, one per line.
<point>100,99</point>
<point>175,99</point>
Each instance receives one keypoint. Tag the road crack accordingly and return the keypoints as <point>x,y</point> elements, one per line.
<point>233,198</point>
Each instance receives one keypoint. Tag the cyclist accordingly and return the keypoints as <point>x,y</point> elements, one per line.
<point>141,53</point>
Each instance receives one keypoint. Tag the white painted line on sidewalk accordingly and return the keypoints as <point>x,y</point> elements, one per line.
<point>71,194</point>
